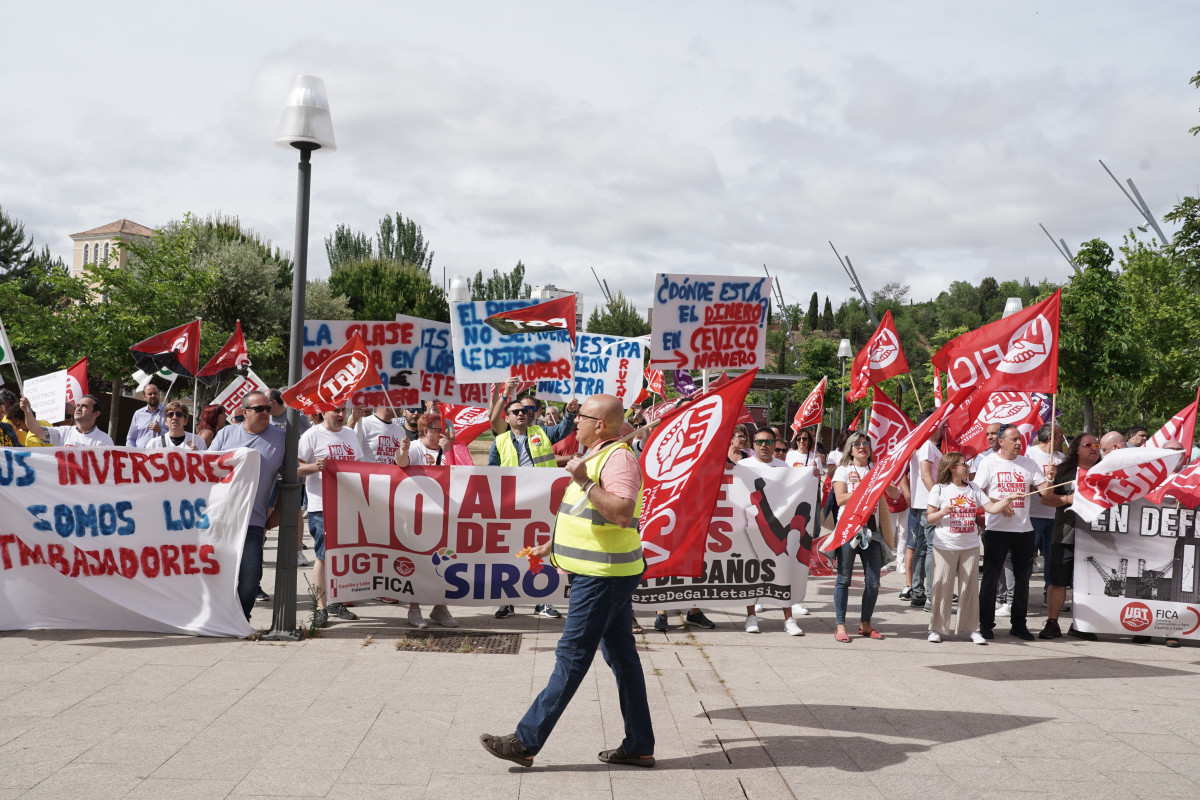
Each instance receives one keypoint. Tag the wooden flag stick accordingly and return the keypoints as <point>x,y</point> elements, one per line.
<point>627,437</point>
<point>1038,491</point>
<point>916,393</point>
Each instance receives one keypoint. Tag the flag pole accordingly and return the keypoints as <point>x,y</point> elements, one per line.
<point>916,393</point>
<point>195,402</point>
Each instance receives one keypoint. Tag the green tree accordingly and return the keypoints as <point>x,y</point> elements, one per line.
<point>812,318</point>
<point>345,246</point>
<point>378,289</point>
<point>827,321</point>
<point>500,286</point>
<point>398,239</point>
<point>991,302</point>
<point>320,302</point>
<point>619,318</point>
<point>15,250</point>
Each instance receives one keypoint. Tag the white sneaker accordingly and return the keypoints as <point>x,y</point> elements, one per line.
<point>935,637</point>
<point>441,615</point>
<point>792,627</point>
<point>752,624</point>
<point>1039,564</point>
<point>415,619</point>
<point>1004,610</point>
<point>758,608</point>
<point>977,638</point>
<point>800,610</point>
<point>301,561</point>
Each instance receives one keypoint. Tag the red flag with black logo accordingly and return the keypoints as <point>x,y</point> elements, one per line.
<point>866,495</point>
<point>879,360</point>
<point>683,462</point>
<point>177,350</point>
<point>888,424</point>
<point>550,315</point>
<point>77,381</point>
<point>1020,353</point>
<point>331,385</point>
<point>231,359</point>
<point>809,412</point>
<point>468,421</point>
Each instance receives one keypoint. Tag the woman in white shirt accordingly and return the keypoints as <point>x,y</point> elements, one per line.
<point>176,435</point>
<point>805,453</point>
<point>954,503</point>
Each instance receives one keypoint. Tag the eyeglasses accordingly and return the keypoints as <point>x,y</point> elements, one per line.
<point>1091,445</point>
<point>439,430</point>
<point>780,449</point>
<point>863,445</point>
<point>173,414</point>
<point>759,442</point>
<point>739,436</point>
<point>257,409</point>
<point>581,415</point>
<point>521,410</point>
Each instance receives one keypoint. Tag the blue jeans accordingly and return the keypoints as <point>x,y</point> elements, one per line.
<point>1043,535</point>
<point>872,561</point>
<point>250,572</point>
<point>601,615</point>
<point>918,542</point>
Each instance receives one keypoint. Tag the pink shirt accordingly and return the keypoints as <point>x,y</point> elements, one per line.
<point>621,475</point>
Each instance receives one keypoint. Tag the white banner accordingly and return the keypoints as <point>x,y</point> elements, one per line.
<point>709,322</point>
<point>484,355</point>
<point>124,539</point>
<point>603,365</point>
<point>239,387</point>
<point>449,535</point>
<point>1137,568</point>
<point>48,396</point>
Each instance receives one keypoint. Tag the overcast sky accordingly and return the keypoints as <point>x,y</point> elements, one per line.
<point>926,140</point>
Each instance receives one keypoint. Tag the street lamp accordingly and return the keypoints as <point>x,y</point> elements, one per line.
<point>844,352</point>
<point>1012,306</point>
<point>306,126</point>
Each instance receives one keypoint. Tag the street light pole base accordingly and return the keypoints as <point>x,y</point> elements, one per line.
<point>281,636</point>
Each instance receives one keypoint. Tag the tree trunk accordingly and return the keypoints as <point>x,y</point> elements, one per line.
<point>1089,416</point>
<point>114,407</point>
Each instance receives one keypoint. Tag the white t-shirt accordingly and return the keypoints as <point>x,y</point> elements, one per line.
<point>320,442</point>
<point>421,456</point>
<point>850,475</point>
<point>379,440</point>
<point>979,459</point>
<point>189,439</point>
<point>69,436</point>
<point>754,463</point>
<point>999,478</point>
<point>1040,457</point>
<point>810,459</point>
<point>957,530</point>
<point>917,489</point>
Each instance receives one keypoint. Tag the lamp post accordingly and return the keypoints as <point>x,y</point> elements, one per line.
<point>306,126</point>
<point>844,352</point>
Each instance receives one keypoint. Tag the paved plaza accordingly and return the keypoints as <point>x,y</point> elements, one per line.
<point>121,715</point>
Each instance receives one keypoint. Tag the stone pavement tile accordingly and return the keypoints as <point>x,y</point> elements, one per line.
<point>928,784</point>
<point>753,784</point>
<point>144,748</point>
<point>12,727</point>
<point>363,791</point>
<point>180,789</point>
<point>450,786</point>
<point>824,788</point>
<point>563,793</point>
<point>1058,730</point>
<point>1163,783</point>
<point>26,770</point>
<point>217,754</point>
<point>1053,769</point>
<point>391,772</point>
<point>630,786</point>
<point>570,779</point>
<point>26,672</point>
<point>93,781</point>
<point>287,777</point>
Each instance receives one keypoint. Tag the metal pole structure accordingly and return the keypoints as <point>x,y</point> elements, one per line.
<point>283,613</point>
<point>850,273</point>
<point>1139,204</point>
<point>841,391</point>
<point>1062,251</point>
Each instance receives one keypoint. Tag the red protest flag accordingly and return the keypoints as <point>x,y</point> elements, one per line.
<point>77,380</point>
<point>683,462</point>
<point>937,387</point>
<point>744,416</point>
<point>547,316</point>
<point>331,384</point>
<point>1021,349</point>
<point>1183,486</point>
<point>656,383</point>
<point>968,435</point>
<point>177,350</point>
<point>866,496</point>
<point>468,421</point>
<point>809,412</point>
<point>1122,476</point>
<point>230,359</point>
<point>854,422</point>
<point>1181,428</point>
<point>880,358</point>
<point>888,426</point>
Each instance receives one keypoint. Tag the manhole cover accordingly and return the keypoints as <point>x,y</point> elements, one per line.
<point>460,642</point>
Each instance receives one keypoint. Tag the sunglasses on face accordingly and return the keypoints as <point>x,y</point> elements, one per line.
<point>863,445</point>
<point>780,449</point>
<point>173,414</point>
<point>758,442</point>
<point>521,410</point>
<point>257,409</point>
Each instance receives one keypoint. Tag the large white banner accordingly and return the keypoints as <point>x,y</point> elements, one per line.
<point>484,355</point>
<point>450,534</point>
<point>1137,569</point>
<point>603,365</point>
<point>124,539</point>
<point>709,322</point>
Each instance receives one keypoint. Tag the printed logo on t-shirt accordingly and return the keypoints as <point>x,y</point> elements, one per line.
<point>340,452</point>
<point>386,446</point>
<point>430,459</point>
<point>1011,482</point>
<point>962,514</point>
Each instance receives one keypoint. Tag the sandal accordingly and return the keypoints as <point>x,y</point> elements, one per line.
<point>619,756</point>
<point>842,636</point>
<point>871,634</point>
<point>637,628</point>
<point>507,748</point>
<point>1171,643</point>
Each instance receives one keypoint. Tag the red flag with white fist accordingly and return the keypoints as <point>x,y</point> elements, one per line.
<point>809,412</point>
<point>888,426</point>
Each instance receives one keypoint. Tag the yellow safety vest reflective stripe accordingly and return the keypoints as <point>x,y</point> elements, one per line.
<point>586,543</point>
<point>541,449</point>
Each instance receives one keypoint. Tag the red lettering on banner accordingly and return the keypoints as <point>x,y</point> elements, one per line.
<point>382,334</point>
<point>508,500</point>
<point>489,537</point>
<point>477,499</point>
<point>536,533</point>
<point>124,562</point>
<point>552,370</point>
<point>98,466</point>
<point>732,313</point>
<point>706,340</point>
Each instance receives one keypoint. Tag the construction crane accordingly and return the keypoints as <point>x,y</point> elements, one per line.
<point>1112,581</point>
<point>1151,582</point>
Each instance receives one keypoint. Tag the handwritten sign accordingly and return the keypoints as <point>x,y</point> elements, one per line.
<point>603,365</point>
<point>709,322</point>
<point>482,354</point>
<point>412,355</point>
<point>48,395</point>
<point>239,387</point>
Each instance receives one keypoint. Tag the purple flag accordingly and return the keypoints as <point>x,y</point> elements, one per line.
<point>684,383</point>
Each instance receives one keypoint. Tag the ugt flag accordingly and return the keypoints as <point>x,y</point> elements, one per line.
<point>879,360</point>
<point>809,412</point>
<point>77,381</point>
<point>468,421</point>
<point>548,316</point>
<point>683,462</point>
<point>888,426</point>
<point>1017,353</point>
<point>1122,476</point>
<point>330,385</point>
<point>177,350</point>
<point>1181,428</point>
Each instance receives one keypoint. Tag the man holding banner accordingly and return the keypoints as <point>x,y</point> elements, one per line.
<point>596,539</point>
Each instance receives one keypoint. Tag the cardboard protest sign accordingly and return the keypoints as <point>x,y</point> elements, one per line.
<point>48,395</point>
<point>603,365</point>
<point>709,322</point>
<point>413,356</point>
<point>484,355</point>
<point>231,398</point>
<point>1137,568</point>
<point>125,539</point>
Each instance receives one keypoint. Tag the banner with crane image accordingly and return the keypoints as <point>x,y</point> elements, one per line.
<point>1137,571</point>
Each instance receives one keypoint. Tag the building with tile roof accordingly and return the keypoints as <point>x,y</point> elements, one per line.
<point>98,245</point>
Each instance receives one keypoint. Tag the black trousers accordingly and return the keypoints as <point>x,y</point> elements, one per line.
<point>996,547</point>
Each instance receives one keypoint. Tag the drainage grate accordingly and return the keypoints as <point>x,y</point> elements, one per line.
<point>460,642</point>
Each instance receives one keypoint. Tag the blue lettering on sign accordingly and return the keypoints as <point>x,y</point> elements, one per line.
<point>672,340</point>
<point>76,520</point>
<point>323,336</point>
<point>405,359</point>
<point>439,362</point>
<point>477,334</point>
<point>191,515</point>
<point>560,388</point>
<point>14,459</point>
<point>474,580</point>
